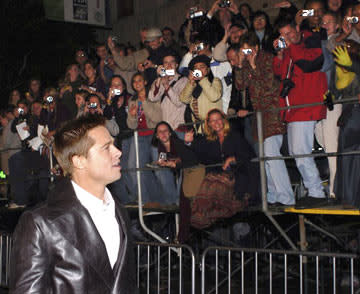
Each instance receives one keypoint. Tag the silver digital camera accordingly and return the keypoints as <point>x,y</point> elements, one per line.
<point>194,13</point>
<point>200,47</point>
<point>352,19</point>
<point>308,12</point>
<point>116,92</point>
<point>49,99</point>
<point>92,105</point>
<point>197,73</point>
<point>167,72</point>
<point>281,43</point>
<point>225,3</point>
<point>247,51</point>
<point>162,156</point>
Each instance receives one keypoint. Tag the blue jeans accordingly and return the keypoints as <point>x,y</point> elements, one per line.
<point>166,179</point>
<point>124,188</point>
<point>158,186</point>
<point>301,141</point>
<point>278,181</point>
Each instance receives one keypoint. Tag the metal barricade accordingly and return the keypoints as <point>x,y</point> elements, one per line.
<point>239,270</point>
<point>165,268</point>
<point>5,253</point>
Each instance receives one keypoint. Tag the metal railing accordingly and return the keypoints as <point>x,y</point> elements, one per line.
<point>240,270</point>
<point>171,268</point>
<point>5,258</point>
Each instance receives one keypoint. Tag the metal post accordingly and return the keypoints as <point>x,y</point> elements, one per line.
<point>261,160</point>
<point>263,179</point>
<point>138,176</point>
<point>51,163</point>
<point>303,247</point>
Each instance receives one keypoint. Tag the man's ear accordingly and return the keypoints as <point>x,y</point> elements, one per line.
<point>78,161</point>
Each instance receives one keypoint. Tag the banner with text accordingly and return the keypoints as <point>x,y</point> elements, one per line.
<point>92,12</point>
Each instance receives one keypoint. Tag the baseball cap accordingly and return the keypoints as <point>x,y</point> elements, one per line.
<point>152,34</point>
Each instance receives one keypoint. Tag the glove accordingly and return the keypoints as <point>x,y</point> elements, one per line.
<point>342,56</point>
<point>329,100</point>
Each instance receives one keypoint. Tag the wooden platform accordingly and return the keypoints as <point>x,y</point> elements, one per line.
<point>327,210</point>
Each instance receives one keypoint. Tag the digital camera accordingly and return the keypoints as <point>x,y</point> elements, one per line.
<point>116,92</point>
<point>115,39</point>
<point>281,43</point>
<point>92,105</point>
<point>225,3</point>
<point>287,86</point>
<point>170,72</point>
<point>197,73</point>
<point>352,19</point>
<point>167,72</point>
<point>162,156</point>
<point>194,13</point>
<point>49,99</point>
<point>308,12</point>
<point>163,72</point>
<point>247,51</point>
<point>21,111</point>
<point>200,47</point>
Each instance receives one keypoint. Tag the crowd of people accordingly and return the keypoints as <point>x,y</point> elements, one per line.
<point>228,61</point>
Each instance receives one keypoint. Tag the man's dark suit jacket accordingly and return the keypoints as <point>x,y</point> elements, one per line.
<point>57,249</point>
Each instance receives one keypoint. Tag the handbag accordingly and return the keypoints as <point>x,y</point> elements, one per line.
<point>192,179</point>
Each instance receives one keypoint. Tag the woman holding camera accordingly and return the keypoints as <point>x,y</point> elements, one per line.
<point>72,82</point>
<point>255,72</point>
<point>54,113</point>
<point>143,116</point>
<point>94,84</point>
<point>202,92</point>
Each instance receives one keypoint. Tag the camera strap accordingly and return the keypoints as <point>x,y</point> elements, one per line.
<point>288,75</point>
<point>290,69</point>
<point>166,92</point>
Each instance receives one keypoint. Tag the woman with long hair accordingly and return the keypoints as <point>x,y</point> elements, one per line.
<point>231,181</point>
<point>262,27</point>
<point>247,13</point>
<point>143,115</point>
<point>54,113</point>
<point>72,83</point>
<point>94,84</point>
<point>14,97</point>
<point>34,92</point>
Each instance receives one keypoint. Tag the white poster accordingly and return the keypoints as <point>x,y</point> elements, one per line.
<point>90,12</point>
<point>85,11</point>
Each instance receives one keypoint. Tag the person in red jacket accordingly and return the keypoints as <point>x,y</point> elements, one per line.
<point>298,65</point>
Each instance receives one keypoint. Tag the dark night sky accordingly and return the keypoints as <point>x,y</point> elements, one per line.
<point>48,45</point>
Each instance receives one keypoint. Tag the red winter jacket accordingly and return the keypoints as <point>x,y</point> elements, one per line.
<point>309,86</point>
